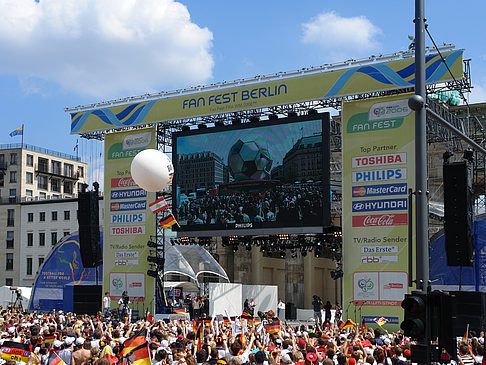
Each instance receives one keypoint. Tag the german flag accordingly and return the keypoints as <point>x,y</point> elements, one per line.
<point>363,327</point>
<point>136,348</point>
<point>167,220</point>
<point>348,324</point>
<point>57,361</point>
<point>14,351</point>
<point>194,326</point>
<point>204,322</point>
<point>257,322</point>
<point>181,311</point>
<point>273,327</point>
<point>49,339</point>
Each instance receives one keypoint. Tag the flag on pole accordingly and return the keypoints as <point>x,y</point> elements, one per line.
<point>381,321</point>
<point>136,348</point>
<point>273,327</point>
<point>57,361</point>
<point>167,220</point>
<point>181,311</point>
<point>158,205</point>
<point>464,338</point>
<point>76,146</point>
<point>348,324</point>
<point>18,132</point>
<point>363,327</point>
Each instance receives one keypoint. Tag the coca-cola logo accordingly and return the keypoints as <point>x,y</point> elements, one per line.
<point>122,182</point>
<point>380,220</point>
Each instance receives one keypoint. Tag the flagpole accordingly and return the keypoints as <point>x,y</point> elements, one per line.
<point>23,135</point>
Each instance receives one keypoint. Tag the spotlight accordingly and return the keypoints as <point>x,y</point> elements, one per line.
<point>303,252</point>
<point>236,121</point>
<point>152,273</point>
<point>446,156</point>
<point>235,247</point>
<point>156,260</point>
<point>283,237</point>
<point>186,128</point>
<point>225,241</point>
<point>184,240</point>
<point>338,234</point>
<point>202,126</point>
<point>291,114</point>
<point>282,254</point>
<point>152,244</point>
<point>248,246</point>
<point>219,123</point>
<point>273,117</point>
<point>469,155</point>
<point>311,112</point>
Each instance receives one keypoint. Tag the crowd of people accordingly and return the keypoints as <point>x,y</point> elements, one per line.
<point>286,204</point>
<point>57,338</point>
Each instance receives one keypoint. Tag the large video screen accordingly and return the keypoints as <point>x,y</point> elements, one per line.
<point>266,177</point>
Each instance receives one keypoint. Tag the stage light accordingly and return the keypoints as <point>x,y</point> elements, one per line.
<point>291,114</point>
<point>152,273</point>
<point>248,247</point>
<point>152,244</point>
<point>186,128</point>
<point>236,121</point>
<point>303,252</point>
<point>219,124</point>
<point>446,156</point>
<point>254,118</point>
<point>468,155</point>
<point>311,112</point>
<point>282,254</point>
<point>338,234</point>
<point>184,240</point>
<point>225,241</point>
<point>156,260</point>
<point>283,237</point>
<point>202,126</point>
<point>273,117</point>
<point>235,247</point>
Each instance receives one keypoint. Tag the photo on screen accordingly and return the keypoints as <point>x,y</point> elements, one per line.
<point>265,177</point>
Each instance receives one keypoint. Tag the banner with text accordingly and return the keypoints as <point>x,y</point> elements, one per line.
<point>378,169</point>
<point>287,87</point>
<point>128,221</point>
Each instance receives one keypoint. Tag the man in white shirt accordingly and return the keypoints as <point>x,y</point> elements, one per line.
<point>106,303</point>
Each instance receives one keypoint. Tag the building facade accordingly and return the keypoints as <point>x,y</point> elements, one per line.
<point>32,176</point>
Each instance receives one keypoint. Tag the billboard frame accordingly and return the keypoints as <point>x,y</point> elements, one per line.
<point>230,231</point>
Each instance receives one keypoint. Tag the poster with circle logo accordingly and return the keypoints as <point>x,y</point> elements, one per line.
<point>128,221</point>
<point>378,169</point>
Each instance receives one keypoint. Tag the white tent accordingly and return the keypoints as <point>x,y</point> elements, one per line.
<point>8,295</point>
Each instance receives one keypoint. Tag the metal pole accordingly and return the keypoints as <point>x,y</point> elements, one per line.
<point>422,223</point>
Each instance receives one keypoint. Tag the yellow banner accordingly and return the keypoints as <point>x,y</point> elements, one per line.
<point>315,86</point>
<point>378,169</point>
<point>128,221</point>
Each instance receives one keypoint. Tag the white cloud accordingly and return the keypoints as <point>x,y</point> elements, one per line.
<point>478,94</point>
<point>104,48</point>
<point>341,35</point>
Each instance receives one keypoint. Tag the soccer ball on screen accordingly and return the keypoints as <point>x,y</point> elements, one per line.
<point>249,161</point>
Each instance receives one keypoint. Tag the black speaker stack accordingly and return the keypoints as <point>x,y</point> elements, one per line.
<point>89,229</point>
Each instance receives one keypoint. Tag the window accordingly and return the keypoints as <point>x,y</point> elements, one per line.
<point>56,185</point>
<point>65,233</point>
<point>30,239</point>
<point>53,238</point>
<point>9,263</point>
<point>30,217</point>
<point>67,215</point>
<point>13,176</point>
<point>42,195</point>
<point>54,215</point>
<point>13,159</point>
<point>8,281</point>
<point>10,239</point>
<point>42,216</point>
<point>10,217</point>
<point>81,171</point>
<point>29,265</point>
<point>42,182</point>
<point>42,238</point>
<point>68,187</point>
<point>41,261</point>
<point>2,180</point>
<point>43,164</point>
<point>29,193</point>
<point>56,167</point>
<point>30,160</point>
<point>29,178</point>
<point>68,170</point>
<point>12,193</point>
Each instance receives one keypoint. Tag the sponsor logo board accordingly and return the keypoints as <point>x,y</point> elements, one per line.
<point>122,182</point>
<point>127,218</point>
<point>379,160</point>
<point>379,175</point>
<point>127,231</point>
<point>135,205</point>
<point>379,249</point>
<point>125,262</point>
<point>128,194</point>
<point>380,220</point>
<point>378,259</point>
<point>365,191</point>
<point>127,254</point>
<point>377,205</point>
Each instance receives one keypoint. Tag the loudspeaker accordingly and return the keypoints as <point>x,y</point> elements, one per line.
<point>89,229</point>
<point>87,299</point>
<point>290,311</point>
<point>458,214</point>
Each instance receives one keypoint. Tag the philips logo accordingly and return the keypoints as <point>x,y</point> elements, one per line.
<point>377,205</point>
<point>380,175</point>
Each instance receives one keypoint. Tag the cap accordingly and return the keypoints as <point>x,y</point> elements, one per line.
<point>311,356</point>
<point>80,341</point>
<point>301,343</point>
<point>164,344</point>
<point>69,340</point>
<point>260,357</point>
<point>11,330</point>
<point>57,343</point>
<point>407,353</point>
<point>286,359</point>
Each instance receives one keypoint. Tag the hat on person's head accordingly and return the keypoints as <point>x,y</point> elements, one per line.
<point>407,353</point>
<point>286,359</point>
<point>11,330</point>
<point>80,341</point>
<point>260,357</point>
<point>164,344</point>
<point>69,341</point>
<point>57,343</point>
<point>351,361</point>
<point>301,343</point>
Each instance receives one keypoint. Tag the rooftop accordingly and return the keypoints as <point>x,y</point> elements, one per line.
<point>46,151</point>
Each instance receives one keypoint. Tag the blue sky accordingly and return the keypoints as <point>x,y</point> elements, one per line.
<point>64,53</point>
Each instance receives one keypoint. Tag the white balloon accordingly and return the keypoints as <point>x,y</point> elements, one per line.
<point>152,170</point>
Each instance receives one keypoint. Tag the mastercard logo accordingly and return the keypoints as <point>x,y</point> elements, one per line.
<point>115,206</point>
<point>359,191</point>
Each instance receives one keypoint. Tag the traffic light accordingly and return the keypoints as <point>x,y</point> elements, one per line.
<point>415,319</point>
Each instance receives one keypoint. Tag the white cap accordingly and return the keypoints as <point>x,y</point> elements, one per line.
<point>164,344</point>
<point>80,341</point>
<point>69,340</point>
<point>11,330</point>
<point>57,343</point>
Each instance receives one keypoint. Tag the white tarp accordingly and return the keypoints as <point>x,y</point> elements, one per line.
<point>225,297</point>
<point>264,296</point>
<point>8,296</point>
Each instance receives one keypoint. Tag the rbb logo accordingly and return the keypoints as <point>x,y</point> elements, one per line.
<point>370,260</point>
